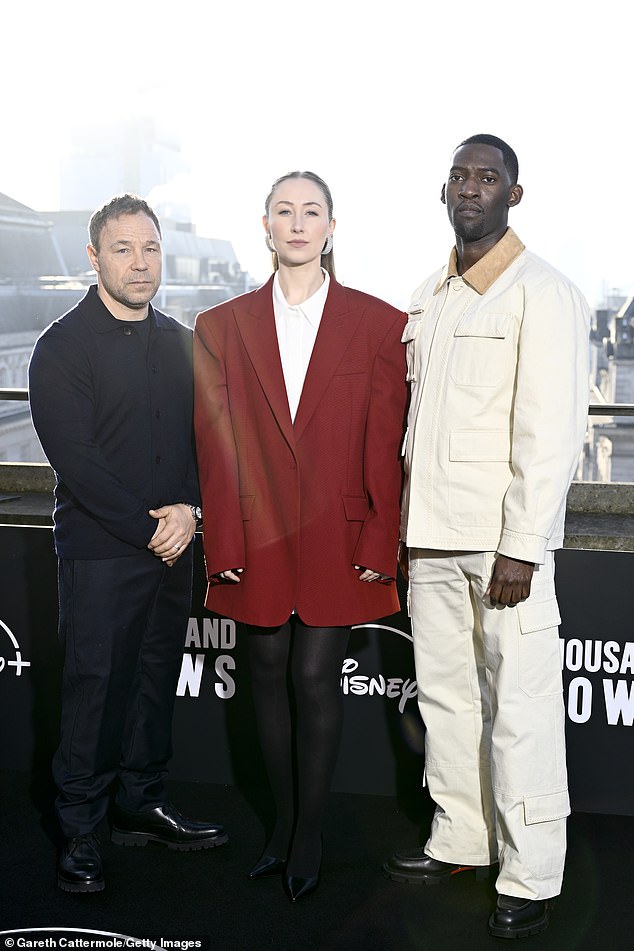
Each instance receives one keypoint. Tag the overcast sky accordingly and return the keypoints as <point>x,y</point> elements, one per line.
<point>371,96</point>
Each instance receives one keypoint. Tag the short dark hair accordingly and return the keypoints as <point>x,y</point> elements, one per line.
<point>510,158</point>
<point>127,204</point>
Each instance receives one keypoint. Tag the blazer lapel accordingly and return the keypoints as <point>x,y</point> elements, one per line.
<point>256,326</point>
<point>336,329</point>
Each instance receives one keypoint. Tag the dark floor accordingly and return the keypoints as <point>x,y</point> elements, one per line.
<point>156,893</point>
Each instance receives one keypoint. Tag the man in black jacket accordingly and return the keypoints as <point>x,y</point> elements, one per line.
<point>111,391</point>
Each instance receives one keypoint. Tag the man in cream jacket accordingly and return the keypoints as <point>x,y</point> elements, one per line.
<point>497,355</point>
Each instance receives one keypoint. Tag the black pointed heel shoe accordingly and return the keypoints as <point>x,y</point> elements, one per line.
<point>298,887</point>
<point>267,865</point>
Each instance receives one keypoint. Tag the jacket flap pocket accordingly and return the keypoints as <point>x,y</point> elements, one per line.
<point>246,506</point>
<point>538,615</point>
<point>483,325</point>
<point>546,808</point>
<point>410,330</point>
<point>479,446</point>
<point>356,507</point>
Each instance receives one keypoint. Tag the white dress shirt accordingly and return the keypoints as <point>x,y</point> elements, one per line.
<point>297,327</point>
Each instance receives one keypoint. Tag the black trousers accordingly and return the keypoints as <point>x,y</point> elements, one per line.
<point>122,624</point>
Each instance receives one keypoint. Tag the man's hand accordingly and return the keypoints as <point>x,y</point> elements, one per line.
<point>510,581</point>
<point>175,530</point>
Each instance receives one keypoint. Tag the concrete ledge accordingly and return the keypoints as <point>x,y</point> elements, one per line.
<point>601,498</point>
<point>600,516</point>
<point>26,477</point>
<point>26,494</point>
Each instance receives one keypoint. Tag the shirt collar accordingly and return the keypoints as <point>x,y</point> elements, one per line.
<point>312,308</point>
<point>481,275</point>
<point>103,321</point>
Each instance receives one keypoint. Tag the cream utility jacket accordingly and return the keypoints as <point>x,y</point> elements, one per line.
<point>498,365</point>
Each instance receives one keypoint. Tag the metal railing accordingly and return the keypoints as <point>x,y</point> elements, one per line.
<point>15,393</point>
<point>594,409</point>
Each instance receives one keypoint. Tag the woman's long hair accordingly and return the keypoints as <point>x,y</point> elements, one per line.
<point>327,260</point>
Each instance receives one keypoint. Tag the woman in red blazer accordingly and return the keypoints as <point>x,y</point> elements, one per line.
<point>299,404</point>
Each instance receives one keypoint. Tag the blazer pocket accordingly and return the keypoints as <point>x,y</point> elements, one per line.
<point>246,506</point>
<point>356,507</point>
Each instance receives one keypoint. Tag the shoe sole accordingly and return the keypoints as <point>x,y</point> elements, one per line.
<point>522,931</point>
<point>141,839</point>
<point>81,887</point>
<point>526,931</point>
<point>482,873</point>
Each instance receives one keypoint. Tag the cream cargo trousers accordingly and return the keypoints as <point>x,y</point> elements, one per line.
<point>490,694</point>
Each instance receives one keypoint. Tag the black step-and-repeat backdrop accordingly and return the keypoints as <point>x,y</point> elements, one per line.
<point>382,745</point>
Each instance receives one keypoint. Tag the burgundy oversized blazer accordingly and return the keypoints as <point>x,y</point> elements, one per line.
<point>298,505</point>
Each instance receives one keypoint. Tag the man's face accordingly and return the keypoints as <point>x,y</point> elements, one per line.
<point>128,264</point>
<point>479,192</point>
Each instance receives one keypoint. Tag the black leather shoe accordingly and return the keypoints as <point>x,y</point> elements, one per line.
<point>418,868</point>
<point>79,867</point>
<point>297,887</point>
<point>519,917</point>
<point>164,824</point>
<point>267,865</point>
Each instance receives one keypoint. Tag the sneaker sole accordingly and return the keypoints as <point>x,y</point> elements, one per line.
<point>141,839</point>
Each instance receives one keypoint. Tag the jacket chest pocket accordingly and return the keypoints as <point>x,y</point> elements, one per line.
<point>410,336</point>
<point>481,350</point>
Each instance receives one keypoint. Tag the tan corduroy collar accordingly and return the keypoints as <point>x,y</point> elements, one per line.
<point>487,270</point>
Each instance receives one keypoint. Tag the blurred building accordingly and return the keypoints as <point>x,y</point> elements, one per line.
<point>611,450</point>
<point>44,271</point>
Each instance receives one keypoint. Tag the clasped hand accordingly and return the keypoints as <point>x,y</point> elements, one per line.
<point>174,532</point>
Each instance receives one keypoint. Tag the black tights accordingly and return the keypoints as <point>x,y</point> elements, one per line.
<point>313,656</point>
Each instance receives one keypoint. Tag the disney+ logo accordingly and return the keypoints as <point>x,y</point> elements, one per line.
<point>14,653</point>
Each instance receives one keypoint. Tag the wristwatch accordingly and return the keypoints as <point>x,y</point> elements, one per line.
<point>197,514</point>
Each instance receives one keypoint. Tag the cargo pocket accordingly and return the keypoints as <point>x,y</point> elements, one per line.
<point>539,673</point>
<point>546,808</point>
